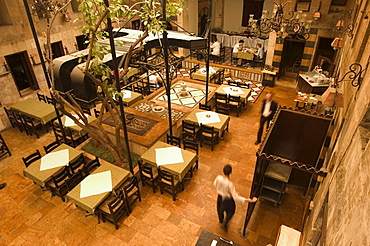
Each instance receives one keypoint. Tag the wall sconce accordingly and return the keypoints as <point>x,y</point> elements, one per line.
<point>67,17</point>
<point>337,43</point>
<point>317,16</point>
<point>340,24</point>
<point>6,66</point>
<point>32,58</point>
<point>66,50</point>
<point>333,97</point>
<point>355,73</point>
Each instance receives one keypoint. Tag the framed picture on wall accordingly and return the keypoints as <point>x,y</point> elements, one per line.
<point>303,6</point>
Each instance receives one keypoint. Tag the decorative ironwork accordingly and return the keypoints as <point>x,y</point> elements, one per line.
<point>294,23</point>
<point>354,73</point>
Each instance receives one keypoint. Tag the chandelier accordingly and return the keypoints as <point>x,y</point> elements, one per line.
<point>295,24</point>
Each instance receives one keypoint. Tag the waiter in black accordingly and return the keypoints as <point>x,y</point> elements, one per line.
<point>268,110</point>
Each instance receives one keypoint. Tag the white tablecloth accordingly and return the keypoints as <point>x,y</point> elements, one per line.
<point>208,117</point>
<point>55,159</point>
<point>170,155</point>
<point>96,184</point>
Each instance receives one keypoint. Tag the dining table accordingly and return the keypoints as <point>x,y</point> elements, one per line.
<point>170,158</point>
<point>201,74</point>
<point>235,91</point>
<point>244,55</point>
<point>130,97</point>
<point>209,118</point>
<point>70,124</point>
<point>36,109</point>
<point>96,187</point>
<point>36,170</point>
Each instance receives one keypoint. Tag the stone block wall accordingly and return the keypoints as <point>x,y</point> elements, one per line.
<point>347,186</point>
<point>17,38</point>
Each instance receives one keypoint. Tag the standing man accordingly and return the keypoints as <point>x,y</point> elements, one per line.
<point>227,196</point>
<point>268,110</point>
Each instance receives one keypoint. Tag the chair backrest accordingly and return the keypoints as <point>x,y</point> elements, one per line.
<point>41,97</point>
<point>222,52</point>
<point>96,113</point>
<point>166,176</point>
<point>221,76</point>
<point>117,206</point>
<point>50,100</point>
<point>74,165</point>
<point>129,185</point>
<point>232,83</point>
<point>209,130</point>
<point>28,120</point>
<point>146,168</point>
<point>234,99</point>
<point>31,158</point>
<point>221,97</point>
<point>223,109</point>
<point>191,145</point>
<point>173,140</point>
<point>243,85</point>
<point>86,110</point>
<point>3,147</point>
<point>188,127</point>
<point>10,114</point>
<point>50,147</point>
<point>74,180</point>
<point>59,178</point>
<point>205,107</point>
<point>90,166</point>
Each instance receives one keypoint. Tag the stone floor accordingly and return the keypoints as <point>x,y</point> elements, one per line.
<point>29,216</point>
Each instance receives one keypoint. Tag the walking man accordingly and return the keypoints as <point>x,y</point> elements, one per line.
<point>227,196</point>
<point>268,110</point>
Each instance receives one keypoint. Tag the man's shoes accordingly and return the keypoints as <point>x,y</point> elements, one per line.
<point>257,142</point>
<point>2,185</point>
<point>224,227</point>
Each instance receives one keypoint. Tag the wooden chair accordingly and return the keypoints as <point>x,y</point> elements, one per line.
<point>113,209</point>
<point>235,104</point>
<point>195,147</point>
<point>149,175</point>
<point>169,183</point>
<point>189,130</point>
<point>11,117</point>
<point>50,147</point>
<point>232,83</point>
<point>32,125</point>
<point>243,85</point>
<point>31,158</point>
<point>96,113</point>
<point>57,185</point>
<point>50,100</point>
<point>223,109</point>
<point>194,69</point>
<point>74,180</point>
<point>90,166</point>
<point>19,121</point>
<point>175,141</point>
<point>41,97</point>
<point>208,135</point>
<point>205,107</point>
<point>221,57</point>
<point>77,164</point>
<point>86,110</point>
<point>131,191</point>
<point>3,147</point>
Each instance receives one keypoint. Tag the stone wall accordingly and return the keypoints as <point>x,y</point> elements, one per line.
<point>347,185</point>
<point>18,38</point>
